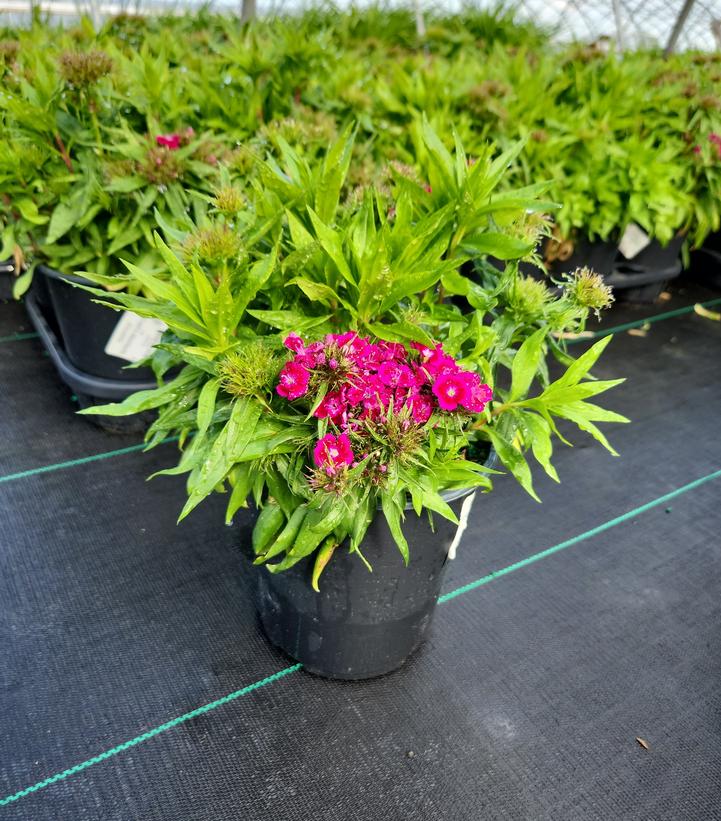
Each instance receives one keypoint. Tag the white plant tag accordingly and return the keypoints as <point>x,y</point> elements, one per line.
<point>633,241</point>
<point>134,336</point>
<point>462,524</point>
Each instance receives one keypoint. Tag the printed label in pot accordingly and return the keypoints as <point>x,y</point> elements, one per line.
<point>134,336</point>
<point>633,241</point>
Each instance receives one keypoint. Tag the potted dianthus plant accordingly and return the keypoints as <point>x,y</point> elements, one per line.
<point>346,376</point>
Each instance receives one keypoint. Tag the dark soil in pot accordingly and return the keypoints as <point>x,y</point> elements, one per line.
<point>361,624</point>
<point>85,327</point>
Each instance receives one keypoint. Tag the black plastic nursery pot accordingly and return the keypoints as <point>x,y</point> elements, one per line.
<point>599,255</point>
<point>362,624</point>
<point>7,271</point>
<point>85,328</point>
<point>643,277</point>
<point>705,262</point>
<point>88,387</point>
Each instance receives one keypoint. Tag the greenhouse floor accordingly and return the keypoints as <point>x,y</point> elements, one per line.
<point>583,681</point>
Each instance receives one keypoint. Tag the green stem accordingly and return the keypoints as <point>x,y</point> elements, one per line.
<point>497,411</point>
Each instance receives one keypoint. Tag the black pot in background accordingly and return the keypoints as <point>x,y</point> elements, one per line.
<point>88,388</point>
<point>7,271</point>
<point>713,242</point>
<point>644,277</point>
<point>705,262</point>
<point>85,327</point>
<point>599,255</point>
<point>360,624</point>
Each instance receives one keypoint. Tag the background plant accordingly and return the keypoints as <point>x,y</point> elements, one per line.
<point>615,137</point>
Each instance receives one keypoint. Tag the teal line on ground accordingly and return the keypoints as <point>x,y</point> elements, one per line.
<point>23,474</point>
<point>18,337</point>
<point>631,514</point>
<point>53,779</point>
<point>649,320</point>
<point>139,739</point>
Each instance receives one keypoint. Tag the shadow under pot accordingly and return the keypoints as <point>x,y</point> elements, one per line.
<point>362,624</point>
<point>76,333</point>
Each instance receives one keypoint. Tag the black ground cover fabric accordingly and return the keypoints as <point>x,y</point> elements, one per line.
<point>36,407</point>
<point>524,704</point>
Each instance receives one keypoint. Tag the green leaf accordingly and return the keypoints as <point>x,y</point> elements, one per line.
<point>227,450</point>
<point>541,444</point>
<point>400,332</point>
<point>64,217</point>
<point>206,403</point>
<point>22,283</point>
<point>439,156</point>
<point>335,167</point>
<point>318,292</point>
<point>287,536</point>
<point>256,278</point>
<point>392,512</point>
<point>581,415</point>
<point>241,478</point>
<point>496,245</point>
<point>331,243</point>
<point>555,396</point>
<point>325,554</point>
<point>525,364</point>
<point>147,400</point>
<point>514,460</point>
<point>29,211</point>
<point>267,526</point>
<point>583,364</point>
<point>288,320</point>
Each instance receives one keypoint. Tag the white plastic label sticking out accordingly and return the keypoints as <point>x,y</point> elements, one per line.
<point>633,241</point>
<point>462,524</point>
<point>134,336</point>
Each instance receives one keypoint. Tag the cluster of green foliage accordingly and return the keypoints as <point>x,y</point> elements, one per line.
<point>621,138</point>
<point>406,261</point>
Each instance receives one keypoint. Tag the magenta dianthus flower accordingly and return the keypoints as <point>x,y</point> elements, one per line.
<point>331,407</point>
<point>332,452</point>
<point>294,343</point>
<point>450,389</point>
<point>478,395</point>
<point>293,381</point>
<point>169,141</point>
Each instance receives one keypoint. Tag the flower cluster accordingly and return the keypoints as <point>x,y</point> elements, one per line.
<point>715,140</point>
<point>366,381</point>
<point>174,141</point>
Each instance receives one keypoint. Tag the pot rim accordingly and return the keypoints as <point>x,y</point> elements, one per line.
<point>53,273</point>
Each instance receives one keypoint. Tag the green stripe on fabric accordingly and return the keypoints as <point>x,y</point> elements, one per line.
<point>84,460</point>
<point>649,320</point>
<point>631,514</point>
<point>139,739</point>
<point>53,779</point>
<point>18,337</point>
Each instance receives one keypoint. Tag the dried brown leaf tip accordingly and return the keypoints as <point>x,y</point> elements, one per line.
<point>642,331</point>
<point>642,743</point>
<point>706,314</point>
